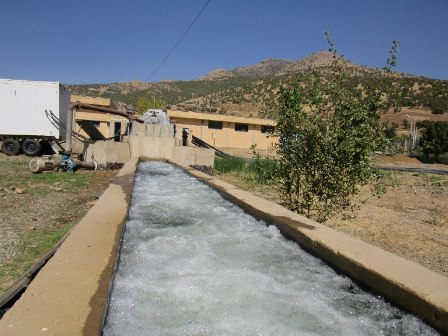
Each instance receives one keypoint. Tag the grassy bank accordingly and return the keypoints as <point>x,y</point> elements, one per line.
<point>36,210</point>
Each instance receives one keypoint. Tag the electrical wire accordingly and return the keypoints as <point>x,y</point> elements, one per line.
<point>178,41</point>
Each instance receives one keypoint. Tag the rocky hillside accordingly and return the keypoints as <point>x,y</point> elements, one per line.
<point>251,90</point>
<point>268,67</point>
<point>321,60</point>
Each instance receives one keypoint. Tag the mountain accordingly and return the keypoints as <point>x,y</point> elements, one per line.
<point>268,67</point>
<point>321,60</point>
<point>251,90</point>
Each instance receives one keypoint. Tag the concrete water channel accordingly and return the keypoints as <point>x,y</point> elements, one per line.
<point>193,263</point>
<point>214,270</point>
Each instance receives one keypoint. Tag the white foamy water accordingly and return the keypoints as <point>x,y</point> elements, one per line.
<point>192,263</point>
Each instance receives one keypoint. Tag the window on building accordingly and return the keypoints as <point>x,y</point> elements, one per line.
<point>213,124</point>
<point>96,124</point>
<point>267,129</point>
<point>241,127</point>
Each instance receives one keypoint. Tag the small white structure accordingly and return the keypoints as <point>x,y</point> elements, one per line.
<point>155,116</point>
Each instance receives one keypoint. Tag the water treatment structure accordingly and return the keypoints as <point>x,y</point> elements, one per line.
<point>213,266</point>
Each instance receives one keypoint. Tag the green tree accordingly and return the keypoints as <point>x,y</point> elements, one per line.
<point>324,154</point>
<point>434,138</point>
<point>390,132</point>
<point>148,102</point>
<point>438,105</point>
<point>406,124</point>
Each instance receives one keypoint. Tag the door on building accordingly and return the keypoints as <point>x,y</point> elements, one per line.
<point>117,131</point>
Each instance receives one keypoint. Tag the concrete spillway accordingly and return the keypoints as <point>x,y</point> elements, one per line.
<point>192,263</point>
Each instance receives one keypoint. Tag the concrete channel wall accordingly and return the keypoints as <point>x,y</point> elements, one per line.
<point>403,282</point>
<point>69,295</point>
<point>161,148</point>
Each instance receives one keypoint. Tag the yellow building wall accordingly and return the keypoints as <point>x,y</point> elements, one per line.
<point>226,137</point>
<point>107,122</point>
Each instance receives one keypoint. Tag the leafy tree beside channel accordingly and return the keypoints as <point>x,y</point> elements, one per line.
<point>324,154</point>
<point>434,138</point>
<point>148,102</point>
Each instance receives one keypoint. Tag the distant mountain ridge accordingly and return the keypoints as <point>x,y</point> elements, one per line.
<point>252,90</point>
<point>270,67</point>
<point>320,60</point>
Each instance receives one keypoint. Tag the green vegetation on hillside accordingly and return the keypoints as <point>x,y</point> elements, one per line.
<point>434,138</point>
<point>253,90</point>
<point>260,94</point>
<point>171,92</point>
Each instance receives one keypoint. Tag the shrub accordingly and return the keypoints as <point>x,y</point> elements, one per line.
<point>324,154</point>
<point>229,164</point>
<point>261,168</point>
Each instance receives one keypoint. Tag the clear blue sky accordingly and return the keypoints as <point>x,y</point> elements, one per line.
<point>120,40</point>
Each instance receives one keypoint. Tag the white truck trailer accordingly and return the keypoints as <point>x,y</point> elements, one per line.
<point>32,115</point>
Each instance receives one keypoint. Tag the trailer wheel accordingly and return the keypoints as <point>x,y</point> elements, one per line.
<point>31,147</point>
<point>11,147</point>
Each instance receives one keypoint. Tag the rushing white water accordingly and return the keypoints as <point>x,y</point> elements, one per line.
<point>192,263</point>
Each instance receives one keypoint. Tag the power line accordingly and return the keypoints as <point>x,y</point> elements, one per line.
<point>178,42</point>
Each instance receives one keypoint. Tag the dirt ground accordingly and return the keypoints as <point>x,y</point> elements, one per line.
<point>409,219</point>
<point>406,214</point>
<point>37,209</point>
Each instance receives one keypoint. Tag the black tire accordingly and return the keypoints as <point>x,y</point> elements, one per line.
<point>11,147</point>
<point>31,147</point>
